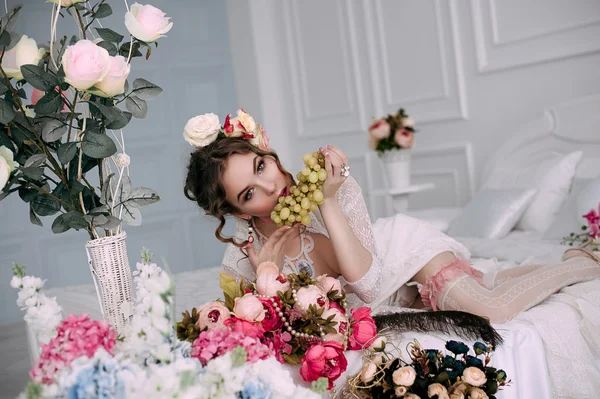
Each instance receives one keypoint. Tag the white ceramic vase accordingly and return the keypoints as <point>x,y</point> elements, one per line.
<point>397,167</point>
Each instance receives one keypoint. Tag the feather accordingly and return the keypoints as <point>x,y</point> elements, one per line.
<point>462,324</point>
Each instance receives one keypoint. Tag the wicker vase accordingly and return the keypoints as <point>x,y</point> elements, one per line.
<point>111,273</point>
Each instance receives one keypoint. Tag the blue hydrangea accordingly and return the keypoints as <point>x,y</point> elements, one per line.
<point>101,379</point>
<point>256,389</point>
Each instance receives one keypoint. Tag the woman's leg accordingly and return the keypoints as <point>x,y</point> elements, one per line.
<point>514,295</point>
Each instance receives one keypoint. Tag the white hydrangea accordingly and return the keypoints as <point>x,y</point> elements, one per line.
<point>44,317</point>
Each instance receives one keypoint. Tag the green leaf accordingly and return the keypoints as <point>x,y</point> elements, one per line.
<point>103,11</point>
<point>121,122</point>
<point>145,90</point>
<point>110,47</point>
<point>4,85</point>
<point>60,225</point>
<point>142,196</point>
<point>33,173</point>
<point>7,113</point>
<point>35,160</point>
<point>132,215</point>
<point>33,218</point>
<point>135,52</point>
<point>96,220</point>
<point>109,35</point>
<point>5,39</point>
<point>9,19</point>
<point>38,78</point>
<point>44,205</point>
<point>49,104</point>
<point>66,152</point>
<point>112,224</point>
<point>231,289</point>
<point>27,194</point>
<point>53,130</point>
<point>97,145</point>
<point>75,220</point>
<point>137,106</point>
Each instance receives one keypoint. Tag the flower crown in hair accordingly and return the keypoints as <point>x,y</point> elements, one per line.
<point>202,130</point>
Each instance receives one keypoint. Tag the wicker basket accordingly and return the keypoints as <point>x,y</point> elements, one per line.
<point>111,273</point>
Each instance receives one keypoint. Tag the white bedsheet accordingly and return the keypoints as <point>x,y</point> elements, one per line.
<point>562,332</point>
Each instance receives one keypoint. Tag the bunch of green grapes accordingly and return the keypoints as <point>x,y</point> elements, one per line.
<point>304,197</point>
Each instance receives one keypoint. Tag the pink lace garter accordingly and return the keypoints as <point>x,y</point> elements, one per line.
<point>434,285</point>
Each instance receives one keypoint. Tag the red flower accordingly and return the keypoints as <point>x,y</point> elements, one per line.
<point>362,327</point>
<point>227,126</point>
<point>272,321</point>
<point>335,305</point>
<point>324,360</point>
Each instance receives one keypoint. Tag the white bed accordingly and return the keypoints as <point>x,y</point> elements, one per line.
<point>530,344</point>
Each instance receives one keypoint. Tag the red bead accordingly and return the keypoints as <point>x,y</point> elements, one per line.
<point>250,239</point>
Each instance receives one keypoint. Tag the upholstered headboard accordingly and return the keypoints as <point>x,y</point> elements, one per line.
<point>569,126</point>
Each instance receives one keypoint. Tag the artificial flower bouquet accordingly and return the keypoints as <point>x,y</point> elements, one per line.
<point>395,131</point>
<point>429,374</point>
<point>84,358</point>
<point>73,120</point>
<point>294,318</point>
<point>590,233</point>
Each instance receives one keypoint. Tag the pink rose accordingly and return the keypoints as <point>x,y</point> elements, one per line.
<point>474,376</point>
<point>372,142</point>
<point>380,129</point>
<point>404,138</point>
<point>341,326</point>
<point>114,81</point>
<point>147,23</point>
<point>212,315</point>
<point>271,321</point>
<point>400,391</point>
<point>363,329</point>
<point>37,94</point>
<point>253,330</point>
<point>328,284</point>
<point>249,308</point>
<point>85,64</point>
<point>269,284</point>
<point>324,360</point>
<point>311,295</point>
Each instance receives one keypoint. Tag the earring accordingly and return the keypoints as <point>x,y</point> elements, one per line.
<point>250,231</point>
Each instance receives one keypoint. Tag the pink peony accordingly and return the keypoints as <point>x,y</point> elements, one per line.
<point>324,360</point>
<point>280,343</point>
<point>266,268</point>
<point>212,315</point>
<point>380,129</point>
<point>362,328</point>
<point>328,284</point>
<point>311,295</point>
<point>335,305</point>
<point>76,337</point>
<point>254,330</point>
<point>404,138</point>
<point>269,284</point>
<point>249,308</point>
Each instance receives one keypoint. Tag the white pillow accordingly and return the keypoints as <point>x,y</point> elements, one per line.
<point>491,213</point>
<point>552,179</point>
<point>569,220</point>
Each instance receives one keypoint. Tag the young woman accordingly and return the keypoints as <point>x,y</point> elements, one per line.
<point>232,172</point>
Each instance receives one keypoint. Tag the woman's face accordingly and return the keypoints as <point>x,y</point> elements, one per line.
<point>253,183</point>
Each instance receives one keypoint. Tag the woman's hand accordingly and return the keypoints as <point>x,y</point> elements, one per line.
<point>334,160</point>
<point>272,250</point>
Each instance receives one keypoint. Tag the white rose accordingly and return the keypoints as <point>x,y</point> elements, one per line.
<point>378,359</point>
<point>477,393</point>
<point>474,376</point>
<point>66,3</point>
<point>243,122</point>
<point>15,281</point>
<point>146,23</point>
<point>439,390</point>
<point>8,156</point>
<point>407,121</point>
<point>85,64</point>
<point>24,53</point>
<point>4,173</point>
<point>114,81</point>
<point>368,372</point>
<point>404,376</point>
<point>202,130</point>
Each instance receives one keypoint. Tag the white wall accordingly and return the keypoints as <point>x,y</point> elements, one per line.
<point>193,66</point>
<point>469,72</point>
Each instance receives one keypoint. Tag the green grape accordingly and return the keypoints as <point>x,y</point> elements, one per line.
<point>277,219</point>
<point>306,157</point>
<point>288,223</point>
<point>317,167</point>
<point>312,187</point>
<point>279,207</point>
<point>297,208</point>
<point>303,212</point>
<point>313,207</point>
<point>291,218</point>
<point>322,175</point>
<point>304,188</point>
<point>305,171</point>
<point>281,200</point>
<point>296,193</point>
<point>306,220</point>
<point>288,199</point>
<point>305,203</point>
<point>312,161</point>
<point>318,196</point>
<point>301,178</point>
<point>310,196</point>
<point>313,177</point>
<point>284,214</point>
<point>292,201</point>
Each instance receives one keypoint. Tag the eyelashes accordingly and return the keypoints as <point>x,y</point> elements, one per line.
<point>259,168</point>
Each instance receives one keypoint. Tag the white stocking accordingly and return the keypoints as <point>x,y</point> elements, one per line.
<point>515,292</point>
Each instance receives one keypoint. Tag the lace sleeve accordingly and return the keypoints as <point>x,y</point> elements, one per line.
<point>353,206</point>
